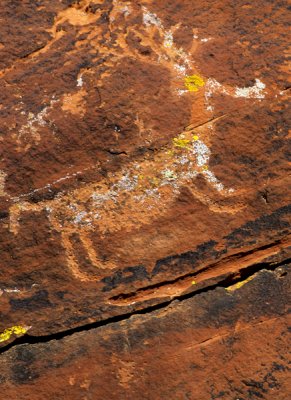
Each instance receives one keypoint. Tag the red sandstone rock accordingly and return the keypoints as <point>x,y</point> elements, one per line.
<point>144,150</point>
<point>222,344</point>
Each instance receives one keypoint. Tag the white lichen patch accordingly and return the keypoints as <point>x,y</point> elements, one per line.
<point>127,183</point>
<point>100,198</point>
<point>152,194</point>
<point>211,87</point>
<point>169,175</point>
<point>252,92</point>
<point>202,153</point>
<point>211,178</point>
<point>181,69</point>
<point>209,108</point>
<point>168,39</point>
<point>182,160</point>
<point>173,57</point>
<point>214,87</point>
<point>190,174</point>
<point>126,10</point>
<point>186,63</point>
<point>30,131</point>
<point>195,159</point>
<point>151,18</point>
<point>79,218</point>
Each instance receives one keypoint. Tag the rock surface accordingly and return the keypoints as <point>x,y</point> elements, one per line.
<point>144,158</point>
<point>223,344</point>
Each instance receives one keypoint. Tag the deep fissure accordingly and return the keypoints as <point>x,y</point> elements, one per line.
<point>233,257</point>
<point>244,274</point>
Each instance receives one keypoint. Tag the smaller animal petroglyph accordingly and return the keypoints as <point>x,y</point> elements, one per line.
<point>125,201</point>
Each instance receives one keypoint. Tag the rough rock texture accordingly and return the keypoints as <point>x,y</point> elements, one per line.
<point>222,344</point>
<point>143,158</point>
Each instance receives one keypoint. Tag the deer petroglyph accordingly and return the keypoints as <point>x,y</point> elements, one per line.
<point>144,190</point>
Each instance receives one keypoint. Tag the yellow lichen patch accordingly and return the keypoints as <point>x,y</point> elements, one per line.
<point>17,330</point>
<point>154,181</point>
<point>239,284</point>
<point>193,82</point>
<point>180,142</point>
<point>193,283</point>
<point>195,137</point>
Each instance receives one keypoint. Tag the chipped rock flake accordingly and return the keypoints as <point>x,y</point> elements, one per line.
<point>2,183</point>
<point>14,290</point>
<point>80,81</point>
<point>125,10</point>
<point>181,92</point>
<point>120,8</point>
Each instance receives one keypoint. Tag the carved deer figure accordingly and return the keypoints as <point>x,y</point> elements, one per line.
<point>142,191</point>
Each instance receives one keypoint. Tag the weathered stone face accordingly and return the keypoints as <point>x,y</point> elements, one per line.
<point>222,344</point>
<point>144,155</point>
